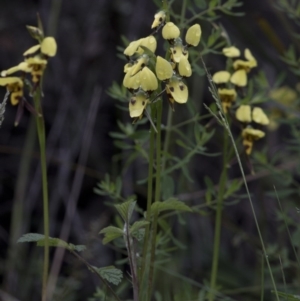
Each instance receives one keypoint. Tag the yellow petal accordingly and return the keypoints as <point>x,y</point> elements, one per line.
<point>250,58</point>
<point>36,60</point>
<point>184,67</point>
<point>132,82</point>
<point>140,63</point>
<point>221,77</point>
<point>231,51</point>
<point>127,67</point>
<point>32,50</point>
<point>239,78</point>
<point>149,42</point>
<point>227,97</point>
<point>170,31</point>
<point>21,67</point>
<point>10,80</point>
<point>132,48</point>
<point>163,69</point>
<point>178,90</point>
<point>159,18</point>
<point>148,80</point>
<point>243,113</point>
<point>177,51</point>
<point>252,134</point>
<point>49,46</point>
<point>193,35</point>
<point>259,116</point>
<point>137,104</point>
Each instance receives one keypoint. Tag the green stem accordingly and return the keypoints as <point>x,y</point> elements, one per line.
<point>218,223</point>
<point>167,138</point>
<point>42,141</point>
<point>149,203</point>
<point>156,198</point>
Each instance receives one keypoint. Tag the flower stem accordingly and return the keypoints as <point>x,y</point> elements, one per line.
<point>142,274</point>
<point>42,142</point>
<point>218,222</point>
<point>156,197</point>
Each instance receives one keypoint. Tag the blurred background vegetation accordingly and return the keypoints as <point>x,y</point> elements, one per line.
<point>80,115</point>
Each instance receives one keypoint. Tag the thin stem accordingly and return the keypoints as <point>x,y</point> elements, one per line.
<point>42,141</point>
<point>167,138</point>
<point>156,199</point>
<point>218,223</point>
<point>132,263</point>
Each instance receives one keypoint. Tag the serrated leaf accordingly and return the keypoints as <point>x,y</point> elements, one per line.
<point>111,233</point>
<point>170,204</point>
<point>137,225</point>
<point>53,242</point>
<point>110,274</point>
<point>31,237</point>
<point>126,209</point>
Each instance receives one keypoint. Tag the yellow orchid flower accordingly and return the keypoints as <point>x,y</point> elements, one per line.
<point>193,35</point>
<point>132,48</point>
<point>23,66</point>
<point>239,78</point>
<point>177,89</point>
<point>243,114</point>
<point>159,19</point>
<point>259,116</point>
<point>247,64</point>
<point>148,80</point>
<point>14,85</point>
<point>177,50</point>
<point>163,68</point>
<point>184,67</point>
<point>49,46</point>
<point>227,97</point>
<point>149,42</point>
<point>170,31</point>
<point>221,77</point>
<point>137,104</point>
<point>139,64</point>
<point>132,82</point>
<point>231,51</point>
<point>37,66</point>
<point>249,136</point>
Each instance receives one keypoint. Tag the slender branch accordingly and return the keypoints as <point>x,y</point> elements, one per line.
<point>42,142</point>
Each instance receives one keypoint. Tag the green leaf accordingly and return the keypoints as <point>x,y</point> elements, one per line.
<point>111,233</point>
<point>235,185</point>
<point>288,297</point>
<point>170,204</point>
<point>137,225</point>
<point>53,242</point>
<point>110,273</point>
<point>168,187</point>
<point>126,210</point>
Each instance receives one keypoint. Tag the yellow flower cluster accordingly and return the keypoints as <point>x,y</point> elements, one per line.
<point>246,115</point>
<point>145,69</point>
<point>227,81</point>
<point>35,62</point>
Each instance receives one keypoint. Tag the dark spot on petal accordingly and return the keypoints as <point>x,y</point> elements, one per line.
<point>133,101</point>
<point>143,65</point>
<point>160,19</point>
<point>174,51</point>
<point>143,103</point>
<point>181,88</point>
<point>172,89</point>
